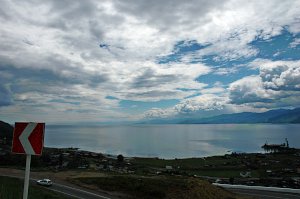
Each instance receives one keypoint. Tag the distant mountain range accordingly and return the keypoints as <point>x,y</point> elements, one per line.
<point>272,116</point>
<point>277,116</point>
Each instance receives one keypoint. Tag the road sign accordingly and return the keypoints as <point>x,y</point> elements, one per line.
<point>28,138</point>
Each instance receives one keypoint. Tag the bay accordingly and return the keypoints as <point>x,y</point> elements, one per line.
<point>172,141</point>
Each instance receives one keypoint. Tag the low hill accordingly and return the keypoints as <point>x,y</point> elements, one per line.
<point>292,116</point>
<point>135,187</point>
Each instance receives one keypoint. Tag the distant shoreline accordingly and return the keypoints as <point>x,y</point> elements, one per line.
<point>114,156</point>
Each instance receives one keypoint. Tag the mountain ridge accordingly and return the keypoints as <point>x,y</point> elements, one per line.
<point>272,116</point>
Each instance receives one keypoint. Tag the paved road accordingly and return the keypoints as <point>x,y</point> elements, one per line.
<point>75,192</point>
<point>259,194</point>
<point>72,191</point>
<point>81,193</point>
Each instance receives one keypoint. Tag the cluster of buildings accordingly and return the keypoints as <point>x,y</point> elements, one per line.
<point>73,158</point>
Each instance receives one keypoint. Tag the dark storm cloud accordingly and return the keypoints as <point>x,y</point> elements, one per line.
<point>85,16</point>
<point>73,9</point>
<point>31,79</point>
<point>5,96</point>
<point>4,10</point>
<point>168,13</point>
<point>46,76</point>
<point>151,94</point>
<point>150,79</point>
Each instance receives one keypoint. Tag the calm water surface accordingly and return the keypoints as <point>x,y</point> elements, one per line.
<point>172,141</point>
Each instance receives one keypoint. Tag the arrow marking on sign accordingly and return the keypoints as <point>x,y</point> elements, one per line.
<point>24,138</point>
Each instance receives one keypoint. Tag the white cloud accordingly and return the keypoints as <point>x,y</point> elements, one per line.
<point>204,105</point>
<point>157,113</point>
<point>295,43</point>
<point>205,102</point>
<point>52,48</point>
<point>135,30</point>
<point>277,85</point>
<point>248,90</point>
<point>225,71</point>
<point>216,89</point>
<point>281,75</point>
<point>235,27</point>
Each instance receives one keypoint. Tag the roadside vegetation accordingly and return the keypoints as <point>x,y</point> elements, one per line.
<point>162,187</point>
<point>12,188</point>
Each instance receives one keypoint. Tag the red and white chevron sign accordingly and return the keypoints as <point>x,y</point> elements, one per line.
<point>28,138</point>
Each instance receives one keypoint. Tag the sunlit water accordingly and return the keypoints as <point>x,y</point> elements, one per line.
<point>172,141</point>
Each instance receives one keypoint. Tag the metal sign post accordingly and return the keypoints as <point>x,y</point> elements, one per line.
<point>27,173</point>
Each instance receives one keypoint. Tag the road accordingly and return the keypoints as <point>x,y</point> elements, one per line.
<point>261,192</point>
<point>257,194</point>
<point>72,191</point>
<point>76,193</point>
<point>82,193</point>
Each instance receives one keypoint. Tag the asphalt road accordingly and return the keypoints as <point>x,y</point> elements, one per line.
<point>81,193</point>
<point>259,194</point>
<point>76,193</point>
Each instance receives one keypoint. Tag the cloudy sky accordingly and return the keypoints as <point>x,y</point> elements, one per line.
<point>70,61</point>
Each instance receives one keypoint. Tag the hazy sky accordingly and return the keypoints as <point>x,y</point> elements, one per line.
<point>69,61</point>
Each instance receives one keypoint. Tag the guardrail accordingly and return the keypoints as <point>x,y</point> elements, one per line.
<point>261,188</point>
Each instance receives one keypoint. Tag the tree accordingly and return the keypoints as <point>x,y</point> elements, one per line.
<point>120,158</point>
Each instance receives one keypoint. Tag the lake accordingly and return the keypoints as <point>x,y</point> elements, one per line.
<point>172,141</point>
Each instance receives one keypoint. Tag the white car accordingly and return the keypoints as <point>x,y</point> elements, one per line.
<point>44,182</point>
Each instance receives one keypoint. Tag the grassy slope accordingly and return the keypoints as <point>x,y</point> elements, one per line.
<point>196,166</point>
<point>12,188</point>
<point>157,187</point>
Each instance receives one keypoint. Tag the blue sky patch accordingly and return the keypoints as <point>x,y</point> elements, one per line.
<point>275,48</point>
<point>278,47</point>
<point>180,49</point>
<point>212,78</point>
